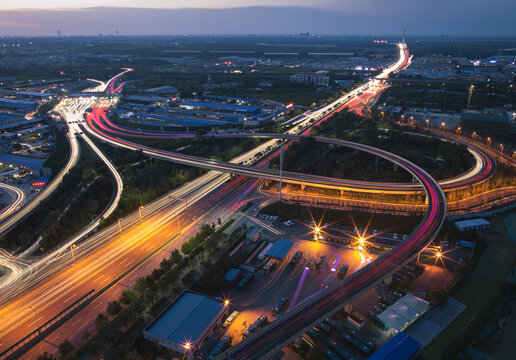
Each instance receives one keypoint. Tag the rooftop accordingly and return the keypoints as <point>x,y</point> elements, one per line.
<point>186,318</point>
<point>27,162</point>
<point>400,347</point>
<point>221,106</point>
<point>403,311</point>
<point>280,249</point>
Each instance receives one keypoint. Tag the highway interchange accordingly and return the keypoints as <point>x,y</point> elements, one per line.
<point>102,257</point>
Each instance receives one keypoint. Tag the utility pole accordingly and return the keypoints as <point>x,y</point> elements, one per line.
<point>281,170</point>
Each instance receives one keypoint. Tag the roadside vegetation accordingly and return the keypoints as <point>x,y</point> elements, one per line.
<point>441,159</point>
<point>118,333</point>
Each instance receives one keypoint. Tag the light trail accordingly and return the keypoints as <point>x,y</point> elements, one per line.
<point>17,194</point>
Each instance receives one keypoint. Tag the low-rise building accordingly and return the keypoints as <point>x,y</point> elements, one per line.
<point>187,323</point>
<point>488,121</point>
<point>317,79</point>
<point>472,224</point>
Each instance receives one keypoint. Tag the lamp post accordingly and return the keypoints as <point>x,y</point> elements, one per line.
<point>459,130</point>
<point>112,266</point>
<point>474,135</point>
<point>140,212</point>
<point>488,141</point>
<point>71,249</point>
<point>427,123</point>
<point>36,316</point>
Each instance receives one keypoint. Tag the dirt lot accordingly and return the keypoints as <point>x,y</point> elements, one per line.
<point>480,286</point>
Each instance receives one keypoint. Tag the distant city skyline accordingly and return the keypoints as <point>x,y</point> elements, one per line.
<point>454,17</point>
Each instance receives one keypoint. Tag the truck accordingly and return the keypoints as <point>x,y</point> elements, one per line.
<point>220,347</point>
<point>279,306</point>
<point>261,255</point>
<point>330,355</point>
<point>342,271</point>
<point>268,266</point>
<point>320,261</point>
<point>247,277</point>
<point>258,323</point>
<point>339,350</point>
<point>230,319</point>
<point>296,257</point>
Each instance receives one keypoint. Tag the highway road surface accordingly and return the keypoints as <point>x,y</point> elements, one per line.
<point>123,246</point>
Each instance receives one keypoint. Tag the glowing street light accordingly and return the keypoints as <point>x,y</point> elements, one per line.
<point>427,123</point>
<point>187,346</point>
<point>226,302</point>
<point>71,249</point>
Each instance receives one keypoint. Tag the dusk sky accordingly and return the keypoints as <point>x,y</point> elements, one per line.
<point>420,17</point>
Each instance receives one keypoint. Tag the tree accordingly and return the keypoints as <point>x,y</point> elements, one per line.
<point>65,347</point>
<point>166,265</point>
<point>438,296</point>
<point>113,307</point>
<point>128,297</point>
<point>176,256</point>
<point>46,356</point>
<point>100,320</point>
<point>140,285</point>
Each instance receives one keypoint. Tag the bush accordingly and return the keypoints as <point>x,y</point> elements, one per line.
<point>128,297</point>
<point>113,307</point>
<point>438,296</point>
<point>65,347</point>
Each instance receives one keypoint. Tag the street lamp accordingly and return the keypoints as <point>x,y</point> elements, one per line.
<point>459,130</point>
<point>443,124</point>
<point>427,123</point>
<point>36,316</point>
<point>112,266</point>
<point>71,249</point>
<point>474,135</point>
<point>140,211</point>
<point>488,141</point>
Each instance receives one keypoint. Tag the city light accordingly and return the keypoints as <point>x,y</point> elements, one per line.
<point>187,346</point>
<point>226,302</point>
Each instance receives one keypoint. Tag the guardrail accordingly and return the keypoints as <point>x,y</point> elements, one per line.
<point>13,351</point>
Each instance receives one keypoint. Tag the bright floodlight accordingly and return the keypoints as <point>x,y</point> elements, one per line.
<point>439,254</point>
<point>226,302</point>
<point>317,230</point>
<point>187,346</point>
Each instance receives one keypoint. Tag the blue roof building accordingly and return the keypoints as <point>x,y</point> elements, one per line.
<point>400,347</point>
<point>280,249</point>
<point>221,106</point>
<point>187,322</point>
<point>26,162</point>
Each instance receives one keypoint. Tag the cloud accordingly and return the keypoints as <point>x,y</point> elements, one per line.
<point>265,20</point>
